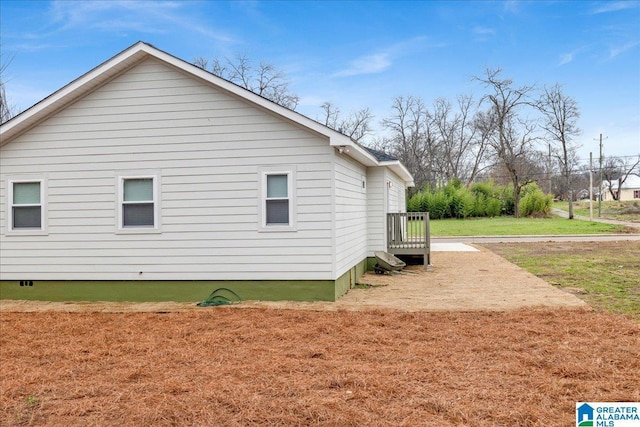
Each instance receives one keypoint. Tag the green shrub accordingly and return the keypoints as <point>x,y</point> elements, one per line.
<point>413,204</point>
<point>535,202</point>
<point>480,199</point>
<point>425,202</point>
<point>439,205</point>
<point>494,207</point>
<point>479,204</point>
<point>507,200</point>
<point>462,203</point>
<point>485,189</point>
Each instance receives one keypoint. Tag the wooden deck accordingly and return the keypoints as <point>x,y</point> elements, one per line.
<point>408,234</point>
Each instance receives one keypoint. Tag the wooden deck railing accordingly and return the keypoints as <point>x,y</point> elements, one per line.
<point>408,234</point>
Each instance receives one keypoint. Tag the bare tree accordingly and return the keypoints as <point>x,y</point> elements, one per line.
<point>7,111</point>
<point>412,140</point>
<point>511,135</point>
<point>618,169</point>
<point>356,125</point>
<point>264,79</point>
<point>331,115</point>
<point>462,143</point>
<point>560,116</point>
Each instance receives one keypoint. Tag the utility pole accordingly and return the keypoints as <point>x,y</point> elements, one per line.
<point>600,191</point>
<point>590,186</point>
<point>600,184</point>
<point>549,169</point>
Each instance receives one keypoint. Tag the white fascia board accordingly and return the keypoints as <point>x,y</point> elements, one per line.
<point>72,91</point>
<point>400,170</point>
<point>243,93</point>
<point>354,150</point>
<point>336,139</point>
<point>126,59</point>
<point>139,51</point>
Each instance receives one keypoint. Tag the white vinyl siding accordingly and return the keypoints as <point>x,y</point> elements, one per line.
<point>376,210</point>
<point>395,194</point>
<point>400,191</point>
<point>386,193</point>
<point>207,148</point>
<point>351,213</point>
<point>26,206</point>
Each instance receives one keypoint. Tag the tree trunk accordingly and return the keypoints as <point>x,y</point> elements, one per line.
<point>516,198</point>
<point>570,204</point>
<point>570,197</point>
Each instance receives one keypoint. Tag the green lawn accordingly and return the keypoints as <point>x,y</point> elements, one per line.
<point>604,274</point>
<point>628,210</point>
<point>502,226</point>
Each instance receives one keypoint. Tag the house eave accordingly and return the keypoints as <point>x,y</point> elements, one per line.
<point>347,146</point>
<point>136,53</point>
<point>70,92</point>
<point>128,58</point>
<point>400,170</point>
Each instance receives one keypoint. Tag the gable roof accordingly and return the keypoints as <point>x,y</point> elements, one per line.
<point>631,183</point>
<point>381,156</point>
<point>141,51</point>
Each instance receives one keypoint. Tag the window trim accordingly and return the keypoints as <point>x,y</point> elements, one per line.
<point>120,228</point>
<point>263,173</point>
<point>43,230</point>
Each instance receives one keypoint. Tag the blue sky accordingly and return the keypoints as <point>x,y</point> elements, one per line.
<point>355,54</point>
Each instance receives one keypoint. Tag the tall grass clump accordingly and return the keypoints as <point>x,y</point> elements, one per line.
<point>439,205</point>
<point>534,201</point>
<point>482,199</point>
<point>463,203</point>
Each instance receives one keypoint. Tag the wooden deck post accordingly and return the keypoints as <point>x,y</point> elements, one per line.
<point>408,233</point>
<point>427,239</point>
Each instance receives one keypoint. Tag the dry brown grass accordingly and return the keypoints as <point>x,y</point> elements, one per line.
<point>228,367</point>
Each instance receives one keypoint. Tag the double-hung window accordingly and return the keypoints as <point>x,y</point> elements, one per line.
<point>27,205</point>
<point>138,203</point>
<point>278,208</point>
<point>277,201</point>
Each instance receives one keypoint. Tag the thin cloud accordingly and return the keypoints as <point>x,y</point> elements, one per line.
<point>512,6</point>
<point>566,58</point>
<point>369,64</point>
<point>381,61</point>
<point>35,47</point>
<point>614,6</point>
<point>481,33</point>
<point>618,50</point>
<point>141,16</point>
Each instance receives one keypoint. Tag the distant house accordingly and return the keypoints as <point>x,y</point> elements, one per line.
<point>148,178</point>
<point>630,189</point>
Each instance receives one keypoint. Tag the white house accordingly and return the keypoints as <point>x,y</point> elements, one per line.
<point>148,178</point>
<point>630,189</point>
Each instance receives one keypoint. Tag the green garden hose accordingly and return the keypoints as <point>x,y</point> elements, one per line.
<point>216,299</point>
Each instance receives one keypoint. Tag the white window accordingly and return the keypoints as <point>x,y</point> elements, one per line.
<point>27,206</point>
<point>138,207</point>
<point>278,210</point>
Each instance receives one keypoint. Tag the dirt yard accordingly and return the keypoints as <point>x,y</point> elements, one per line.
<point>456,281</point>
<point>384,355</point>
